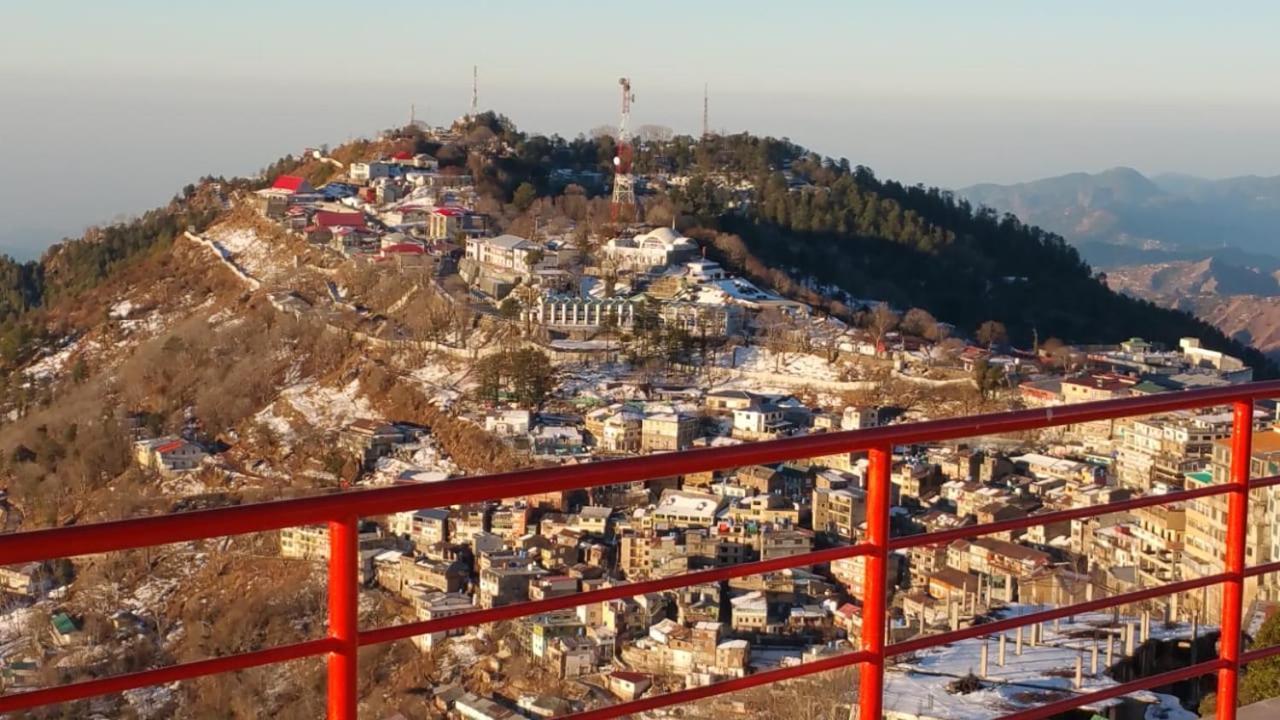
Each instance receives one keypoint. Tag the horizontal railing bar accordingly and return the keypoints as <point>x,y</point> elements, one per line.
<point>946,638</point>
<point>1262,569</point>
<point>698,693</point>
<point>967,531</point>
<point>161,676</point>
<point>1146,683</point>
<point>259,517</point>
<point>1264,482</point>
<point>533,607</point>
<point>1260,654</point>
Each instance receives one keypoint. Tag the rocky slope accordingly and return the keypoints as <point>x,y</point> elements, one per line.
<point>1243,302</point>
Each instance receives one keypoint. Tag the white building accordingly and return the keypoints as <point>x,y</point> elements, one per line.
<point>583,312</point>
<point>654,249</point>
<point>705,271</point>
<point>507,252</point>
<point>621,432</point>
<point>507,423</point>
<point>683,508</point>
<point>757,419</point>
<point>860,418</point>
<point>168,455</point>
<point>436,605</point>
<point>588,313</point>
<point>365,172</point>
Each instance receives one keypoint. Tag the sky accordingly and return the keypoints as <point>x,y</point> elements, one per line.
<point>107,109</point>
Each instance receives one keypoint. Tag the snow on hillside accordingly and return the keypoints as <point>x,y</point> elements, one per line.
<point>53,364</point>
<point>761,360</point>
<point>121,310</point>
<point>259,256</point>
<point>307,404</point>
<point>444,382</point>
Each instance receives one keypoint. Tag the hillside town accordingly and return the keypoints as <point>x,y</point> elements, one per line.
<point>566,342</point>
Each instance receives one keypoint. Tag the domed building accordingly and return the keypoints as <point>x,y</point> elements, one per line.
<point>655,249</point>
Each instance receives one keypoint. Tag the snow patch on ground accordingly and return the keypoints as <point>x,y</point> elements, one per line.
<point>148,326</point>
<point>760,360</point>
<point>54,364</point>
<point>308,404</point>
<point>258,256</point>
<point>153,702</point>
<point>121,310</point>
<point>1042,673</point>
<point>443,382</point>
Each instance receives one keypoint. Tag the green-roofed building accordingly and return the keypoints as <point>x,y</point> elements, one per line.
<point>1200,477</point>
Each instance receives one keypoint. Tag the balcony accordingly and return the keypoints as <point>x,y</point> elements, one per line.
<point>342,513</point>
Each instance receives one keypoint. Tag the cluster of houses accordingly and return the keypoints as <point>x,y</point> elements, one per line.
<point>450,561</point>
<point>443,562</point>
<point>401,209</point>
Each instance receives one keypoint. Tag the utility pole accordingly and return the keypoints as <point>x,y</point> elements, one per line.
<point>475,90</point>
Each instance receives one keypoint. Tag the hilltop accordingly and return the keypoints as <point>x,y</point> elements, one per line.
<point>438,302</point>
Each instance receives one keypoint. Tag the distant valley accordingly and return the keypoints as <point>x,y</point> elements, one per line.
<point>1243,302</point>
<point>1209,247</point>
<point>1121,216</point>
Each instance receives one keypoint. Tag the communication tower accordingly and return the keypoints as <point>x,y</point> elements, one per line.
<point>623,206</point>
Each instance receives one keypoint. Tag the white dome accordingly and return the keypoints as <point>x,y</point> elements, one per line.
<point>667,235</point>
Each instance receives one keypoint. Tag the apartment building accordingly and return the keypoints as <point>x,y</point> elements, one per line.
<point>839,513</point>
<point>1206,525</point>
<point>668,432</point>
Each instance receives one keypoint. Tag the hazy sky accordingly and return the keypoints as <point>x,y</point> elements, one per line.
<point>107,109</point>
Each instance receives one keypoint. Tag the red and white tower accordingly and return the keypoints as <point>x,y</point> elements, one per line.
<point>623,208</point>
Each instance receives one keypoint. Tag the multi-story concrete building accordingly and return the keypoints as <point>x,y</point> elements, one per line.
<point>505,252</point>
<point>436,605</point>
<point>668,432</point>
<point>1206,525</point>
<point>839,513</point>
<point>1160,529</point>
<point>506,585</point>
<point>1161,450</point>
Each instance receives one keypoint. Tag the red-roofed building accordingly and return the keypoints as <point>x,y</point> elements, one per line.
<point>329,219</point>
<point>448,221</point>
<point>403,249</point>
<point>849,617</point>
<point>168,455</point>
<point>403,254</point>
<point>292,184</point>
<point>629,685</point>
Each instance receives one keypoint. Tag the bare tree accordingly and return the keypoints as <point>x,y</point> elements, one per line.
<point>992,333</point>
<point>920,323</point>
<point>881,321</point>
<point>654,133</point>
<point>775,328</point>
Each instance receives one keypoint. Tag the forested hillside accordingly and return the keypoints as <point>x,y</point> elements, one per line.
<point>74,266</point>
<point>917,246</point>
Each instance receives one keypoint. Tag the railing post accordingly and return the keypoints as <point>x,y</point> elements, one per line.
<point>874,585</point>
<point>1233,587</point>
<point>344,589</point>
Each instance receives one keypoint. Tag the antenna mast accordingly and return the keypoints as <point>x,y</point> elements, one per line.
<point>706,128</point>
<point>475,90</point>
<point>623,205</point>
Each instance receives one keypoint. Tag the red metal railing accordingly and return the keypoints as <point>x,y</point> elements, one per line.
<point>341,512</point>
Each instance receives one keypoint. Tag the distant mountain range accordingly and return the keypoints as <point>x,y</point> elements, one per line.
<point>1120,216</point>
